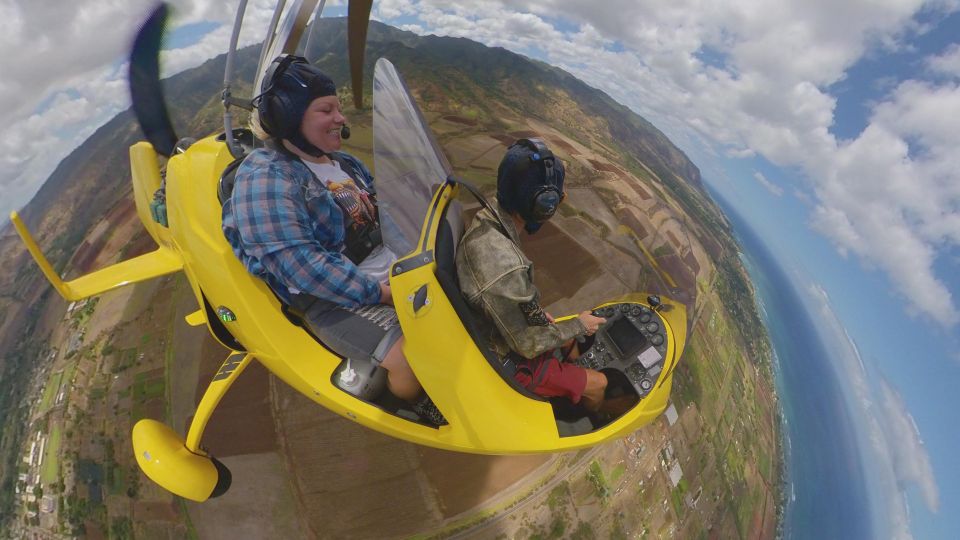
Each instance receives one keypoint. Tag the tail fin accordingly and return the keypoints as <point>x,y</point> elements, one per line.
<point>157,263</point>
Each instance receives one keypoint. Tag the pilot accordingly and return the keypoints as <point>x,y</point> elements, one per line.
<point>302,216</point>
<point>497,280</point>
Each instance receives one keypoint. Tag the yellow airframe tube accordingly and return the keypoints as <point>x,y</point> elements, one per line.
<point>224,378</point>
<point>154,264</point>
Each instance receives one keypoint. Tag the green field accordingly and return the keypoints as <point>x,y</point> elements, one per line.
<point>617,472</point>
<point>50,392</point>
<point>50,472</point>
<point>145,389</point>
<point>69,371</point>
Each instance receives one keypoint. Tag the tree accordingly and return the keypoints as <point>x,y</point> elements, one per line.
<point>121,528</point>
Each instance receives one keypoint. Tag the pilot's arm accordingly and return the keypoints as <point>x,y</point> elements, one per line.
<point>512,302</point>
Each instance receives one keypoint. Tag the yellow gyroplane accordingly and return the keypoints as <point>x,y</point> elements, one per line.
<point>487,412</point>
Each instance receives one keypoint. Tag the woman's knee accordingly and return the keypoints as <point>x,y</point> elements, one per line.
<point>395,359</point>
<point>400,377</point>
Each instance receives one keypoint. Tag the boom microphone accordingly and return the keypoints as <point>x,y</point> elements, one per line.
<point>345,132</point>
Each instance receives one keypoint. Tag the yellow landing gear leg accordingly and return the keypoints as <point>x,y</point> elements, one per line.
<point>182,467</point>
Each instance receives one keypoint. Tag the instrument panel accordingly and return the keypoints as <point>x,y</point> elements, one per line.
<point>632,341</point>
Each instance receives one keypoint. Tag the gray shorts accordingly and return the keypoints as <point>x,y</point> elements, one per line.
<point>365,332</point>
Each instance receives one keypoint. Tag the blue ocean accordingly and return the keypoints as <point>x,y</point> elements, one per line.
<point>826,484</point>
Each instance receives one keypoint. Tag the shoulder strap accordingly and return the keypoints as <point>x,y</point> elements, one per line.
<point>355,169</point>
<point>483,202</point>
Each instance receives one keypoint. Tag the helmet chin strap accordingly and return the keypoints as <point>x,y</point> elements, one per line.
<point>304,146</point>
<point>532,226</point>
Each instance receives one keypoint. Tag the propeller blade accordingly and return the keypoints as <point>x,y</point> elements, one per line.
<point>145,90</point>
<point>358,17</point>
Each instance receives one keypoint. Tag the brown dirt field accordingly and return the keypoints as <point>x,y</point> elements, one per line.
<point>111,310</point>
<point>93,531</point>
<point>155,511</point>
<point>260,503</point>
<point>561,264</point>
<point>712,246</point>
<point>242,423</point>
<point>564,145</point>
<point>139,244</point>
<point>153,373</point>
<point>459,120</point>
<point>352,482</point>
<point>458,492</point>
<point>674,240</point>
<point>769,518</point>
<point>505,140</point>
<point>586,200</point>
<point>604,167</point>
<point>644,194</point>
<point>155,408</point>
<point>82,261</point>
<point>523,134</point>
<point>674,266</point>
<point>108,236</point>
<point>691,261</point>
<point>630,220</point>
<point>122,211</point>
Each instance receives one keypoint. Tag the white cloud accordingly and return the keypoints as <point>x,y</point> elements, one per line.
<point>774,189</point>
<point>910,459</point>
<point>892,195</point>
<point>741,78</point>
<point>64,74</point>
<point>947,63</point>
<point>753,78</point>
<point>882,419</point>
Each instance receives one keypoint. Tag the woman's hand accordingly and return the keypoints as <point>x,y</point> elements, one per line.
<point>591,322</point>
<point>386,296</point>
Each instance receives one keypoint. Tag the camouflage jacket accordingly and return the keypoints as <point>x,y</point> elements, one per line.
<point>497,279</point>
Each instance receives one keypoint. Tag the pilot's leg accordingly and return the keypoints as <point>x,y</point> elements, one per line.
<point>619,405</point>
<point>592,396</point>
<point>400,378</point>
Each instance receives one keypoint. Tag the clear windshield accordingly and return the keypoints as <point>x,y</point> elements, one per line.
<point>408,160</point>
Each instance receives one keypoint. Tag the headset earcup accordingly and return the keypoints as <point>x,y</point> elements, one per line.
<point>282,113</point>
<point>265,115</point>
<point>276,112</point>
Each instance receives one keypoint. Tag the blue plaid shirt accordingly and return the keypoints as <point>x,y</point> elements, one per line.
<point>286,229</point>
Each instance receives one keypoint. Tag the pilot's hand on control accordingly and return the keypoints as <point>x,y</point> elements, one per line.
<point>591,322</point>
<point>550,318</point>
<point>386,296</point>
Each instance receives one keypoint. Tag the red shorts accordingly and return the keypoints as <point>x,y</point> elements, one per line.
<point>547,376</point>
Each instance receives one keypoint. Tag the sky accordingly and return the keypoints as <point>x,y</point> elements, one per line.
<point>830,126</point>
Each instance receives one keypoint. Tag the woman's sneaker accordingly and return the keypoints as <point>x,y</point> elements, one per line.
<point>426,409</point>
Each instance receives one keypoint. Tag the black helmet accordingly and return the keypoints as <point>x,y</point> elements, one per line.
<point>288,87</point>
<point>530,182</point>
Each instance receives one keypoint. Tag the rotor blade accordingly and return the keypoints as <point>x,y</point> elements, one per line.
<point>358,17</point>
<point>145,90</point>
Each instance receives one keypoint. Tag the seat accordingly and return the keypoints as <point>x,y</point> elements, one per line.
<point>225,185</point>
<point>448,238</point>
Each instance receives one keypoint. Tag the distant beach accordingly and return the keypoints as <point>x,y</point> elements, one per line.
<point>824,482</point>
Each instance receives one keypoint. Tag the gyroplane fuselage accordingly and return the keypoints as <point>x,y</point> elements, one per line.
<point>485,410</point>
